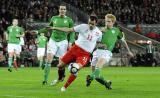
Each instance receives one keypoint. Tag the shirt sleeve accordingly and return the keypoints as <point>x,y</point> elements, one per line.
<point>51,21</point>
<point>43,30</point>
<point>120,34</point>
<point>7,30</point>
<point>72,34</point>
<point>22,30</point>
<point>79,28</point>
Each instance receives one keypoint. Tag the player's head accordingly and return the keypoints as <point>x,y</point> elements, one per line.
<point>62,10</point>
<point>15,22</point>
<point>92,22</point>
<point>110,19</point>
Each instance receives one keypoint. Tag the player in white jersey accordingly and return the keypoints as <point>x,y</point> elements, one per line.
<point>88,36</point>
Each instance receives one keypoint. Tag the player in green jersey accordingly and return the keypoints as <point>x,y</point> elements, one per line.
<point>41,43</point>
<point>14,34</point>
<point>103,53</point>
<point>58,42</point>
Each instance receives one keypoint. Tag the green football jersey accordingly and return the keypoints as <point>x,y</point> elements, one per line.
<point>110,36</point>
<point>42,41</point>
<point>57,21</point>
<point>13,32</point>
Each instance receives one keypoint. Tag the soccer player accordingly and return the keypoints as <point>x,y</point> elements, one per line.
<point>103,53</point>
<point>58,42</point>
<point>41,41</point>
<point>14,33</point>
<point>80,52</point>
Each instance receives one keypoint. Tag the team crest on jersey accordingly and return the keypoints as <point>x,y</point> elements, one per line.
<point>113,31</point>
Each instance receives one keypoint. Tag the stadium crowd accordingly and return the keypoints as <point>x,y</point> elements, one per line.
<point>28,10</point>
<point>127,11</point>
<point>142,11</point>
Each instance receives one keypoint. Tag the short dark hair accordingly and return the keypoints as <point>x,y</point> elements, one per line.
<point>62,4</point>
<point>92,18</point>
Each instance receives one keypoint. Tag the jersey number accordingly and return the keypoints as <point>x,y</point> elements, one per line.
<point>89,37</point>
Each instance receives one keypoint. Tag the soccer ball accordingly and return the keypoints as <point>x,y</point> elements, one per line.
<point>73,68</point>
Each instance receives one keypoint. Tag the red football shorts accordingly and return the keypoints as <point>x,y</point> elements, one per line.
<point>77,54</point>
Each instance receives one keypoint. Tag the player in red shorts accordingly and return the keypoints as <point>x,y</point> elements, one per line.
<point>88,36</point>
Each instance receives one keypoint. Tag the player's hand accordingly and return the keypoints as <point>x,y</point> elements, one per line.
<point>130,54</point>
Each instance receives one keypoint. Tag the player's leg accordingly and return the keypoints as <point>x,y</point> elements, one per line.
<point>106,83</point>
<point>82,57</point>
<point>62,49</point>
<point>47,68</point>
<point>17,51</point>
<point>10,56</point>
<point>61,67</point>
<point>15,61</point>
<point>40,54</point>
<point>51,50</point>
<point>10,60</point>
<point>96,73</point>
<point>99,65</point>
<point>40,60</point>
<point>72,76</point>
<point>94,60</point>
<point>102,57</point>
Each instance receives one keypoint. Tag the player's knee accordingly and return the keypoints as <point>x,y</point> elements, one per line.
<point>74,68</point>
<point>61,64</point>
<point>49,58</point>
<point>11,54</point>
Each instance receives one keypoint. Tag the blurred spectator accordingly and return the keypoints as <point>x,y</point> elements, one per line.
<point>138,28</point>
<point>152,34</point>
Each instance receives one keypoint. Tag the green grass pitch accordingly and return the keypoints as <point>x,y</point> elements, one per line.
<point>128,82</point>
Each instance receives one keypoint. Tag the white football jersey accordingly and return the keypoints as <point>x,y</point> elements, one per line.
<point>87,38</point>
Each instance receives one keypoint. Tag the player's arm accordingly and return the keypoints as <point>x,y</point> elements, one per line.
<point>126,45</point>
<point>103,29</point>
<point>72,34</point>
<point>36,32</point>
<point>21,33</point>
<point>37,40</point>
<point>6,36</point>
<point>43,30</point>
<point>6,33</point>
<point>64,29</point>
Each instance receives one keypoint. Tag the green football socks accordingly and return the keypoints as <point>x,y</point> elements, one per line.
<point>95,74</point>
<point>10,62</point>
<point>47,71</point>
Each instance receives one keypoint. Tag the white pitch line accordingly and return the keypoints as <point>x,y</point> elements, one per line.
<point>13,96</point>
